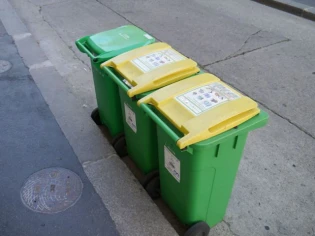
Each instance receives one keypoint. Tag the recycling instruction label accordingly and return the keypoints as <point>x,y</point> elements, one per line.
<point>154,60</point>
<point>172,164</point>
<point>206,97</point>
<point>130,118</point>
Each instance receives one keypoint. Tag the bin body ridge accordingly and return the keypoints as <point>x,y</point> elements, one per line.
<point>206,178</point>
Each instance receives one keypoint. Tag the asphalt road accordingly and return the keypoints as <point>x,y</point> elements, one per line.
<point>31,140</point>
<point>310,3</point>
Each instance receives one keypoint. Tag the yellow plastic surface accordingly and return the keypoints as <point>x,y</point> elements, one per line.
<point>220,109</point>
<point>152,67</point>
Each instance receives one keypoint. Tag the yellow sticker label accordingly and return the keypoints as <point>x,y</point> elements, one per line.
<point>154,60</point>
<point>206,97</point>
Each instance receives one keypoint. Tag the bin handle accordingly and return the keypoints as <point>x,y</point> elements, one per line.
<point>160,123</point>
<point>120,83</point>
<point>81,46</point>
<point>187,68</point>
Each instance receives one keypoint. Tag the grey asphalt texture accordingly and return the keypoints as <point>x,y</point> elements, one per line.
<point>302,8</point>
<point>310,3</point>
<point>31,140</point>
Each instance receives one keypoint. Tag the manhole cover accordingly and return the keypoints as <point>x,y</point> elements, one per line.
<point>51,190</point>
<point>4,66</point>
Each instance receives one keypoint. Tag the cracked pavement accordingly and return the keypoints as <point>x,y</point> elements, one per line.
<point>267,54</point>
<point>240,51</point>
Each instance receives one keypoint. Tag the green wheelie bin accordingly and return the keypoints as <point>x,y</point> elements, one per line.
<point>136,73</point>
<point>101,47</point>
<point>202,126</point>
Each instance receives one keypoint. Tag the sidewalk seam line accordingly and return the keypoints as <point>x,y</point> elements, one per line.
<point>41,65</point>
<point>244,53</point>
<point>229,226</point>
<point>100,159</point>
<point>53,28</point>
<point>18,37</point>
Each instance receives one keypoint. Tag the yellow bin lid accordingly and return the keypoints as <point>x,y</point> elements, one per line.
<point>152,67</point>
<point>201,107</point>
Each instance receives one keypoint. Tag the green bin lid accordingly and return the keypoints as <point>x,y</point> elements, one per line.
<point>113,42</point>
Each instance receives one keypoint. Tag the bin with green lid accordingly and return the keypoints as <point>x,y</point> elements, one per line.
<point>202,126</point>
<point>101,47</point>
<point>136,73</point>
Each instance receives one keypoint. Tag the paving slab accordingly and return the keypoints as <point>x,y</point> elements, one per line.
<point>264,17</point>
<point>17,26</point>
<point>29,49</point>
<point>274,191</point>
<point>126,198</point>
<point>197,32</point>
<point>280,76</point>
<point>80,130</point>
<point>77,75</point>
<point>75,19</point>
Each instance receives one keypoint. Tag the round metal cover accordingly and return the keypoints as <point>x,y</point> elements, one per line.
<point>4,66</point>
<point>51,190</point>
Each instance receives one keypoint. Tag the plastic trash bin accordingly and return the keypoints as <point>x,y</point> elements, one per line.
<point>202,126</point>
<point>100,47</point>
<point>137,72</point>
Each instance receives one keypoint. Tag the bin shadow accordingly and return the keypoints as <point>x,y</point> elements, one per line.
<point>179,227</point>
<point>166,211</point>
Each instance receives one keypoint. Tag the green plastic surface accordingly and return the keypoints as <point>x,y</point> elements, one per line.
<point>101,47</point>
<point>142,144</point>
<point>105,45</point>
<point>207,169</point>
<point>108,101</point>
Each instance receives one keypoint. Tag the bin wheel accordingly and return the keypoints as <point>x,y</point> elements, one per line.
<point>120,146</point>
<point>198,229</point>
<point>95,115</point>
<point>149,177</point>
<point>153,187</point>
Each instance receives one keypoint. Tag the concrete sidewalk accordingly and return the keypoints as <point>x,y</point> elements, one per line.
<point>265,53</point>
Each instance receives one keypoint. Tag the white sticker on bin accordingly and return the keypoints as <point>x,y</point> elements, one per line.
<point>127,83</point>
<point>125,36</point>
<point>206,97</point>
<point>130,118</point>
<point>148,36</point>
<point>172,164</point>
<point>154,60</point>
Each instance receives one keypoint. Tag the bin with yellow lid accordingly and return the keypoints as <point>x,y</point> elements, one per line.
<point>101,47</point>
<point>202,126</point>
<point>138,72</point>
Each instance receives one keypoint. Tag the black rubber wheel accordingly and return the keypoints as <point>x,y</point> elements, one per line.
<point>153,187</point>
<point>95,115</point>
<point>149,177</point>
<point>119,144</point>
<point>198,229</point>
